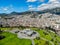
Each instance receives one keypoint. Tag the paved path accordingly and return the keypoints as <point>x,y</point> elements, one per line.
<point>43,39</point>
<point>32,42</point>
<point>47,40</point>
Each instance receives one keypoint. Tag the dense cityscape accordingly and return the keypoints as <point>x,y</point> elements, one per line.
<point>32,20</point>
<point>29,22</point>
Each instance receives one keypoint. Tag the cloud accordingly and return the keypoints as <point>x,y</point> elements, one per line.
<point>6,9</point>
<point>49,5</point>
<point>53,1</point>
<point>31,8</point>
<point>35,0</point>
<point>31,0</point>
<point>3,8</point>
<point>41,0</point>
<point>42,6</point>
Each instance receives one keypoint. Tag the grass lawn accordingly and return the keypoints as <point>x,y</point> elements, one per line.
<point>47,35</point>
<point>11,39</point>
<point>11,28</point>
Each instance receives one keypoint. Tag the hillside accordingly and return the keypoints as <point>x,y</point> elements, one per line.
<point>46,37</point>
<point>53,11</point>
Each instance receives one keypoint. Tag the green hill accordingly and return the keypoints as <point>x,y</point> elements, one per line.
<point>47,37</point>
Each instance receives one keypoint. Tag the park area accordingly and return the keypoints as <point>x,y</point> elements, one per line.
<point>45,38</point>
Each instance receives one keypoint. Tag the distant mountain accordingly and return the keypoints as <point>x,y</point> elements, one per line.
<point>53,11</point>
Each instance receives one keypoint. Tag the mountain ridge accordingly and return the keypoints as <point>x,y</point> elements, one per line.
<point>53,11</point>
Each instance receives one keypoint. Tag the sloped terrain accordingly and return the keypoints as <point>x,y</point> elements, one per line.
<point>11,39</point>
<point>47,37</point>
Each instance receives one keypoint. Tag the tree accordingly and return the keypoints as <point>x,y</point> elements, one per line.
<point>1,25</point>
<point>2,37</point>
<point>52,40</point>
<point>47,43</point>
<point>38,38</point>
<point>1,31</point>
<point>45,33</point>
<point>36,43</point>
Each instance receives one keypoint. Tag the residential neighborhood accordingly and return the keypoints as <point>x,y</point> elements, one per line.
<point>40,21</point>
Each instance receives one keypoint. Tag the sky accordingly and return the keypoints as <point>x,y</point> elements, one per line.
<point>8,6</point>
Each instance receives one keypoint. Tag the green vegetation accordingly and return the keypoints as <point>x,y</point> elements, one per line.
<point>46,38</point>
<point>11,39</point>
<point>10,28</point>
